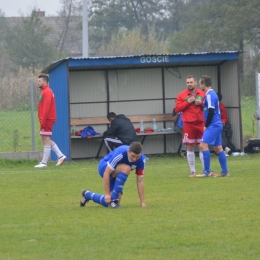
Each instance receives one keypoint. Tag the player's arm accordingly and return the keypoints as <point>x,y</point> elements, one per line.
<point>210,116</point>
<point>182,104</point>
<point>111,130</point>
<point>106,180</point>
<point>47,96</point>
<point>140,188</point>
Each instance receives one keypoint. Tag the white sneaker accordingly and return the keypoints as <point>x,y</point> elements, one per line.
<point>61,160</point>
<point>40,165</point>
<point>227,150</point>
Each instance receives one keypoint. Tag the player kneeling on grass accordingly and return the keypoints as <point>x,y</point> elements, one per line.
<point>115,168</point>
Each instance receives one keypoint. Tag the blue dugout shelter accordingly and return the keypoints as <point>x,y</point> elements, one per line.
<point>136,84</point>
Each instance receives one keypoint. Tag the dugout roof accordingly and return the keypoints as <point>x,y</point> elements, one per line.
<point>146,61</point>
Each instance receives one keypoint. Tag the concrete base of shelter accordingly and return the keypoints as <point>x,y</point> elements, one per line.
<point>22,155</point>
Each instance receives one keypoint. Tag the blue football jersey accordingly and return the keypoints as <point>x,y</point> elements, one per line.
<point>119,155</point>
<point>211,101</point>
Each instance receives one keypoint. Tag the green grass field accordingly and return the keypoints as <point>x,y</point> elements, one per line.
<point>201,218</point>
<point>18,122</point>
<point>249,124</point>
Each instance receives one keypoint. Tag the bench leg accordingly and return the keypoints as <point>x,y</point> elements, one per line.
<point>179,149</point>
<point>143,139</point>
<point>100,148</point>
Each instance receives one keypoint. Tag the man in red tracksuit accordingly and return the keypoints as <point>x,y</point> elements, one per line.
<point>190,103</point>
<point>47,118</point>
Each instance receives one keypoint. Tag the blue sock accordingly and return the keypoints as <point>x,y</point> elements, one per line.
<point>223,161</point>
<point>97,198</point>
<point>119,184</point>
<point>206,158</point>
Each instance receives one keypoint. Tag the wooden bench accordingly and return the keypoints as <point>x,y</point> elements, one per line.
<point>92,121</point>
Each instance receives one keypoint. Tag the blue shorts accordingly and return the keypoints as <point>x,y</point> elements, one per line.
<point>101,169</point>
<point>212,135</point>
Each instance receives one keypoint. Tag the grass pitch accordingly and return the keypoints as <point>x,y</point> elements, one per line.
<point>185,218</point>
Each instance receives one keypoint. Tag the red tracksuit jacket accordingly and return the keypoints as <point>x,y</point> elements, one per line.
<point>190,112</point>
<point>223,113</point>
<point>46,106</point>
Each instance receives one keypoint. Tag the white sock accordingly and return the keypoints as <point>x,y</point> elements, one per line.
<point>191,160</point>
<point>202,160</point>
<point>56,150</point>
<point>46,154</point>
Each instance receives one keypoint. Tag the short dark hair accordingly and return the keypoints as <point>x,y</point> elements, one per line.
<point>219,96</point>
<point>111,115</point>
<point>191,77</point>
<point>136,147</point>
<point>206,80</point>
<point>44,77</point>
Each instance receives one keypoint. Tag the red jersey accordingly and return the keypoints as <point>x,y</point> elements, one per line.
<point>223,113</point>
<point>46,106</point>
<point>190,112</point>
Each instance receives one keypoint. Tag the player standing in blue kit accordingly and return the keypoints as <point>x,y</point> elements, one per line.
<point>212,130</point>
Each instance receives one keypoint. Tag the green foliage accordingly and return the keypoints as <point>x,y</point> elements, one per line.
<point>211,23</point>
<point>108,17</point>
<point>70,23</point>
<point>21,122</point>
<point>4,60</point>
<point>26,43</point>
<point>132,43</point>
<point>248,85</point>
<point>16,89</point>
<point>249,124</point>
<point>219,26</point>
<point>201,218</point>
<point>25,107</point>
<point>22,107</point>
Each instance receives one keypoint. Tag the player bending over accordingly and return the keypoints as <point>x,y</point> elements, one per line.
<point>115,168</point>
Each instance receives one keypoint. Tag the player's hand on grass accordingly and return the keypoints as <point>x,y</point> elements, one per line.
<point>143,205</point>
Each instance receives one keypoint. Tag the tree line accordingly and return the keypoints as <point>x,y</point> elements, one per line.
<point>121,27</point>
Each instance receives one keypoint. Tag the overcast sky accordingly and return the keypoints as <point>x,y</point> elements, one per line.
<point>18,7</point>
